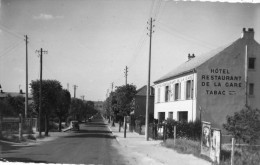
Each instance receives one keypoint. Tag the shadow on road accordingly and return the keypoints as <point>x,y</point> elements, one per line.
<point>26,160</point>
<point>7,148</point>
<point>91,134</point>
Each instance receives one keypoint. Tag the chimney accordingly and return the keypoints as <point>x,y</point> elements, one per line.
<point>248,34</point>
<point>191,56</point>
<point>21,91</point>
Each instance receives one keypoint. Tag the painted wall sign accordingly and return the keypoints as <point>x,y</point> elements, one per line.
<point>220,81</point>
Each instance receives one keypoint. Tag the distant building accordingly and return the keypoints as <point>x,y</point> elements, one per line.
<point>140,103</point>
<point>98,105</point>
<point>213,85</point>
<point>14,94</point>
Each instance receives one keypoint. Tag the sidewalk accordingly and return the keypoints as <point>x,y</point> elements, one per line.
<point>152,149</point>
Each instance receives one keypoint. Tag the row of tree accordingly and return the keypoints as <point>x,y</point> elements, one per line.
<point>57,105</point>
<point>120,102</point>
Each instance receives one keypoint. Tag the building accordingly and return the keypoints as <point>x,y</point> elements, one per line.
<point>98,105</point>
<point>213,85</point>
<point>140,102</point>
<point>14,94</point>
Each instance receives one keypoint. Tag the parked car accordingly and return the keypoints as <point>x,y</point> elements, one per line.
<point>74,125</point>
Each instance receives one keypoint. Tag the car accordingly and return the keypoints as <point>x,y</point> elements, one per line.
<point>74,125</point>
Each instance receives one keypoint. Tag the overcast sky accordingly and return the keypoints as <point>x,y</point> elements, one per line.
<point>90,42</point>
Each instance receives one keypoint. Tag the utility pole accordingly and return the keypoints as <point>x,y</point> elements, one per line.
<point>75,87</point>
<point>112,85</point>
<point>148,82</point>
<point>126,71</point>
<point>40,97</point>
<point>246,77</point>
<point>26,77</point>
<point>68,86</point>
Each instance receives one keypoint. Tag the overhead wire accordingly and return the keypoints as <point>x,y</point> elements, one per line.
<point>178,34</point>
<point>10,49</point>
<point>6,29</point>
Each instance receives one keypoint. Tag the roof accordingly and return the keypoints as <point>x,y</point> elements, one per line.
<point>142,91</point>
<point>13,94</point>
<point>191,64</point>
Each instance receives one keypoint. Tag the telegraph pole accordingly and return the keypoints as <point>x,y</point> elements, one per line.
<point>40,97</point>
<point>246,76</point>
<point>112,85</point>
<point>75,87</point>
<point>83,97</point>
<point>148,82</point>
<point>126,71</point>
<point>26,76</point>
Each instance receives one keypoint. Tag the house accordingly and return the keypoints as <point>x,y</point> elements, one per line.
<point>14,94</point>
<point>211,86</point>
<point>140,103</point>
<point>98,105</point>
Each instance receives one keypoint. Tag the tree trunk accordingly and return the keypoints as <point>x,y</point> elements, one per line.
<point>59,124</point>
<point>46,125</point>
<point>0,125</point>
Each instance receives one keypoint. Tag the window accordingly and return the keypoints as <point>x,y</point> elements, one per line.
<point>158,96</point>
<point>161,117</point>
<point>170,115</point>
<point>177,91</point>
<point>166,93</point>
<point>251,89</point>
<point>251,63</point>
<point>189,89</point>
<point>183,116</point>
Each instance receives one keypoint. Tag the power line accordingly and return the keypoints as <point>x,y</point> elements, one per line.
<point>6,29</point>
<point>10,49</point>
<point>185,37</point>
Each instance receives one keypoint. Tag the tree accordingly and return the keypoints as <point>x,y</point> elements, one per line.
<point>244,125</point>
<point>62,110</point>
<point>50,93</point>
<point>124,96</point>
<point>17,105</point>
<point>76,108</point>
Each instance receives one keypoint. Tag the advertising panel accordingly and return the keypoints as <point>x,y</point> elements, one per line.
<point>215,145</point>
<point>205,138</point>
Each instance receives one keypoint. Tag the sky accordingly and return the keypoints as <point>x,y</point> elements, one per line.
<point>90,42</point>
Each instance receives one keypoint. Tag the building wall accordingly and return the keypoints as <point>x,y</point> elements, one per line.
<point>140,105</point>
<point>172,105</point>
<point>219,98</point>
<point>254,74</point>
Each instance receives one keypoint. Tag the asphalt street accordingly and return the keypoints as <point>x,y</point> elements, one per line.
<point>92,144</point>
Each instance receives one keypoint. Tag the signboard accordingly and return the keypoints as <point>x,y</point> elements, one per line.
<point>205,138</point>
<point>210,142</point>
<point>215,145</point>
<point>221,81</point>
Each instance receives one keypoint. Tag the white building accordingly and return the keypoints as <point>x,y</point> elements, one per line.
<point>213,84</point>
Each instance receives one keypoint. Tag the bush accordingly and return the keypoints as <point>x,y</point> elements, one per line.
<point>188,130</point>
<point>244,125</point>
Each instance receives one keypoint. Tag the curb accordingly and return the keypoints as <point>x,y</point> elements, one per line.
<point>113,134</point>
<point>110,129</point>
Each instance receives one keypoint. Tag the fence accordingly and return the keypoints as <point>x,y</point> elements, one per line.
<point>244,154</point>
<point>16,126</point>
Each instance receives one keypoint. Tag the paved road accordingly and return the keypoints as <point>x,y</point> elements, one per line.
<point>93,144</point>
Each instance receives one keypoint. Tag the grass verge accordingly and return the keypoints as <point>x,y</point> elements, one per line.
<point>243,155</point>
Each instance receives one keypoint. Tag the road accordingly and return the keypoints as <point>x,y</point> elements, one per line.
<point>93,144</point>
